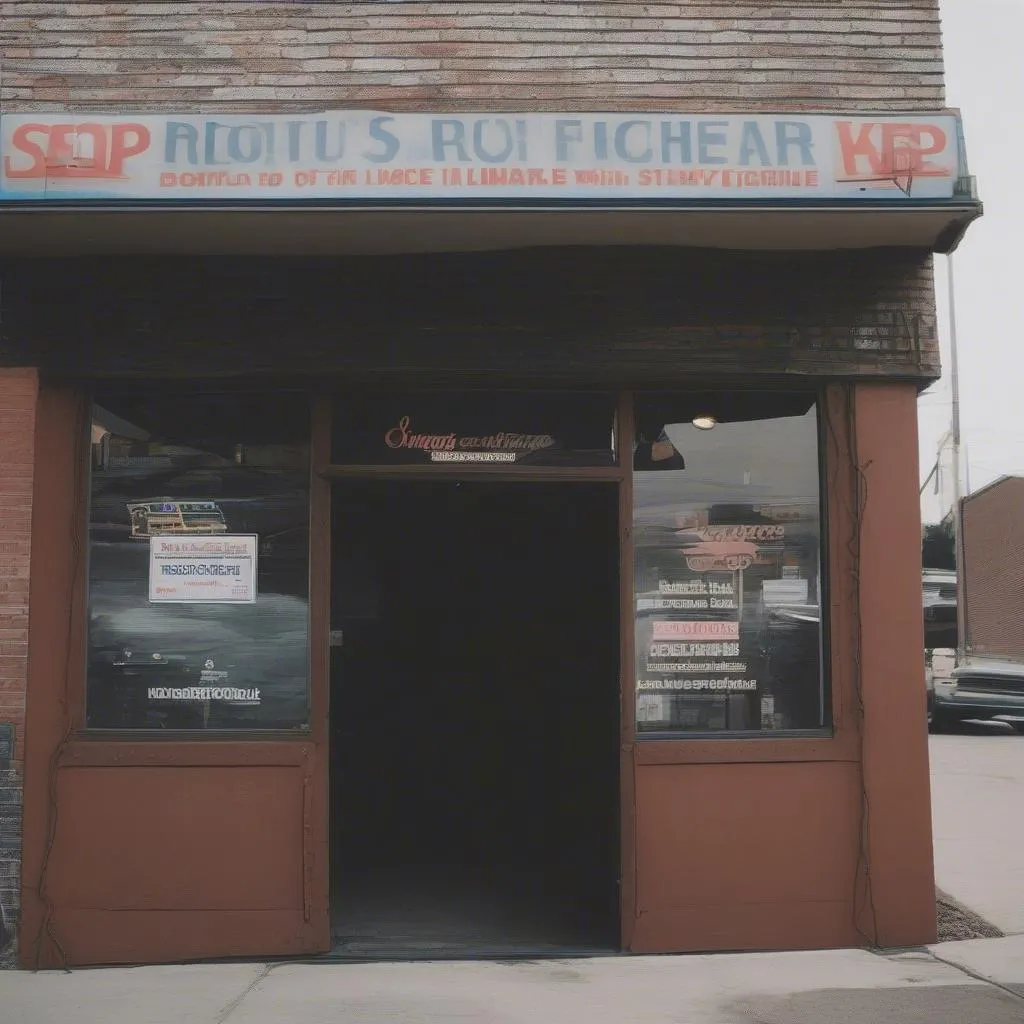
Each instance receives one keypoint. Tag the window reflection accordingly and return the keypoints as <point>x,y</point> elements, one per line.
<point>728,564</point>
<point>198,563</point>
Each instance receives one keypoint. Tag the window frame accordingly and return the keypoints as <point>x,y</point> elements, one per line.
<point>839,740</point>
<point>64,579</point>
<point>318,581</point>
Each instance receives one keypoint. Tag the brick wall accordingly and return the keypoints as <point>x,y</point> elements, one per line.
<point>238,55</point>
<point>993,556</point>
<point>17,426</point>
<point>590,315</point>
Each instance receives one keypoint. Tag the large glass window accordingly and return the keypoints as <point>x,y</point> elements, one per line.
<point>198,562</point>
<point>728,564</point>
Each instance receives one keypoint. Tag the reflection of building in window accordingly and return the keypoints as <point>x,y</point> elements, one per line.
<point>170,518</point>
<point>735,541</point>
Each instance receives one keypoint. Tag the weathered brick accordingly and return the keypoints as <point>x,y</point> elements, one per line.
<point>17,424</point>
<point>692,54</point>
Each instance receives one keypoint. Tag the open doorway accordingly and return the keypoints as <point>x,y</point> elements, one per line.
<point>475,718</point>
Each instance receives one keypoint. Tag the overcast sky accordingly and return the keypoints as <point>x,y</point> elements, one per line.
<point>985,79</point>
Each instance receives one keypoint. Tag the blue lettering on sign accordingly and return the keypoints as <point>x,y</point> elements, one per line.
<point>675,136</point>
<point>386,138</point>
<point>566,133</point>
<point>494,140</point>
<point>623,148</point>
<point>181,131</point>
<point>445,134</point>
<point>324,153</point>
<point>794,133</point>
<point>752,141</point>
<point>706,138</point>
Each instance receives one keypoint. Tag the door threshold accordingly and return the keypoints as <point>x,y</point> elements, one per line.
<point>368,951</point>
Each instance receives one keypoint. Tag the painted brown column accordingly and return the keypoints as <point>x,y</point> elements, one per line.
<point>899,903</point>
<point>18,390</point>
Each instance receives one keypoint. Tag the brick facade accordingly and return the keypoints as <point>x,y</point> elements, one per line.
<point>17,426</point>
<point>583,312</point>
<point>590,317</point>
<point>235,56</point>
<point>993,570</point>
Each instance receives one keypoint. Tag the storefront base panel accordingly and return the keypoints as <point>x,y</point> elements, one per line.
<point>165,862</point>
<point>102,938</point>
<point>746,856</point>
<point>160,839</point>
<point>748,927</point>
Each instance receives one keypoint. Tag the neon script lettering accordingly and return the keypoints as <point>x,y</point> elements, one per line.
<point>400,437</point>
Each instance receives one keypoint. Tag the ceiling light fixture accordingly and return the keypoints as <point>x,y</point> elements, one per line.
<point>704,422</point>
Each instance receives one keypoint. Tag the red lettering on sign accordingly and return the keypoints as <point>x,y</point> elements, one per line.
<point>876,151</point>
<point>94,151</point>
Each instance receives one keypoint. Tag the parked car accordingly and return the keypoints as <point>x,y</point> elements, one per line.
<point>980,690</point>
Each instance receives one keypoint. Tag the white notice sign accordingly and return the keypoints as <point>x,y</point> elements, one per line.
<point>203,570</point>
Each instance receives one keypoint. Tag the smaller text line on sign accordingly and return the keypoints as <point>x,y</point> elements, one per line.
<point>702,630</point>
<point>203,570</point>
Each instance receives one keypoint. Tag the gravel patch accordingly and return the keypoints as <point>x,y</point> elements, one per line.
<point>957,922</point>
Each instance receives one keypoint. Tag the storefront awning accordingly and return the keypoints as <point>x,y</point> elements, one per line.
<point>366,182</point>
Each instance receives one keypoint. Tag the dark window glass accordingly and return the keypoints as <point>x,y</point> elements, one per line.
<point>494,428</point>
<point>728,564</point>
<point>199,562</point>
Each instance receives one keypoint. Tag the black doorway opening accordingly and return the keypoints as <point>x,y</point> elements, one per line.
<point>474,719</point>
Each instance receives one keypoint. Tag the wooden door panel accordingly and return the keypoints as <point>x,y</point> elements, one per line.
<point>180,838</point>
<point>105,937</point>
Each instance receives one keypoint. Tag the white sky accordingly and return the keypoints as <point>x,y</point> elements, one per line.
<point>985,79</point>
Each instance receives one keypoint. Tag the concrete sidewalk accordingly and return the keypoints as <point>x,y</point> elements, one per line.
<point>978,827</point>
<point>981,982</point>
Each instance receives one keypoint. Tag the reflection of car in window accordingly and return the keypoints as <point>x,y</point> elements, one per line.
<point>983,689</point>
<point>170,518</point>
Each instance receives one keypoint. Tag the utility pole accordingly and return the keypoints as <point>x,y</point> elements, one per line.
<point>954,371</point>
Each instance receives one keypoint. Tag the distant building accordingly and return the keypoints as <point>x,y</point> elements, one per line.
<point>992,587</point>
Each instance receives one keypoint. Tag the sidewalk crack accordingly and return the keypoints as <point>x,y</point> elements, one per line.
<point>978,977</point>
<point>238,1000</point>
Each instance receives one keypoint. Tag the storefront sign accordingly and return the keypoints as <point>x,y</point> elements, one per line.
<point>204,570</point>
<point>370,156</point>
<point>498,428</point>
<point>499,447</point>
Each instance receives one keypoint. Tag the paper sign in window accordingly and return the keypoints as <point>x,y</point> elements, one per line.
<point>203,570</point>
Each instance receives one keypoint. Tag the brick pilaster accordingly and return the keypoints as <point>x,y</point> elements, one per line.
<point>18,390</point>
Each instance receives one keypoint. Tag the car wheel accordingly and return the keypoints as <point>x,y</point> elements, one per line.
<point>1018,727</point>
<point>938,722</point>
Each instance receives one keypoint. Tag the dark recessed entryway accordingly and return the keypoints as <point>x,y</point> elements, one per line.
<point>475,718</point>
